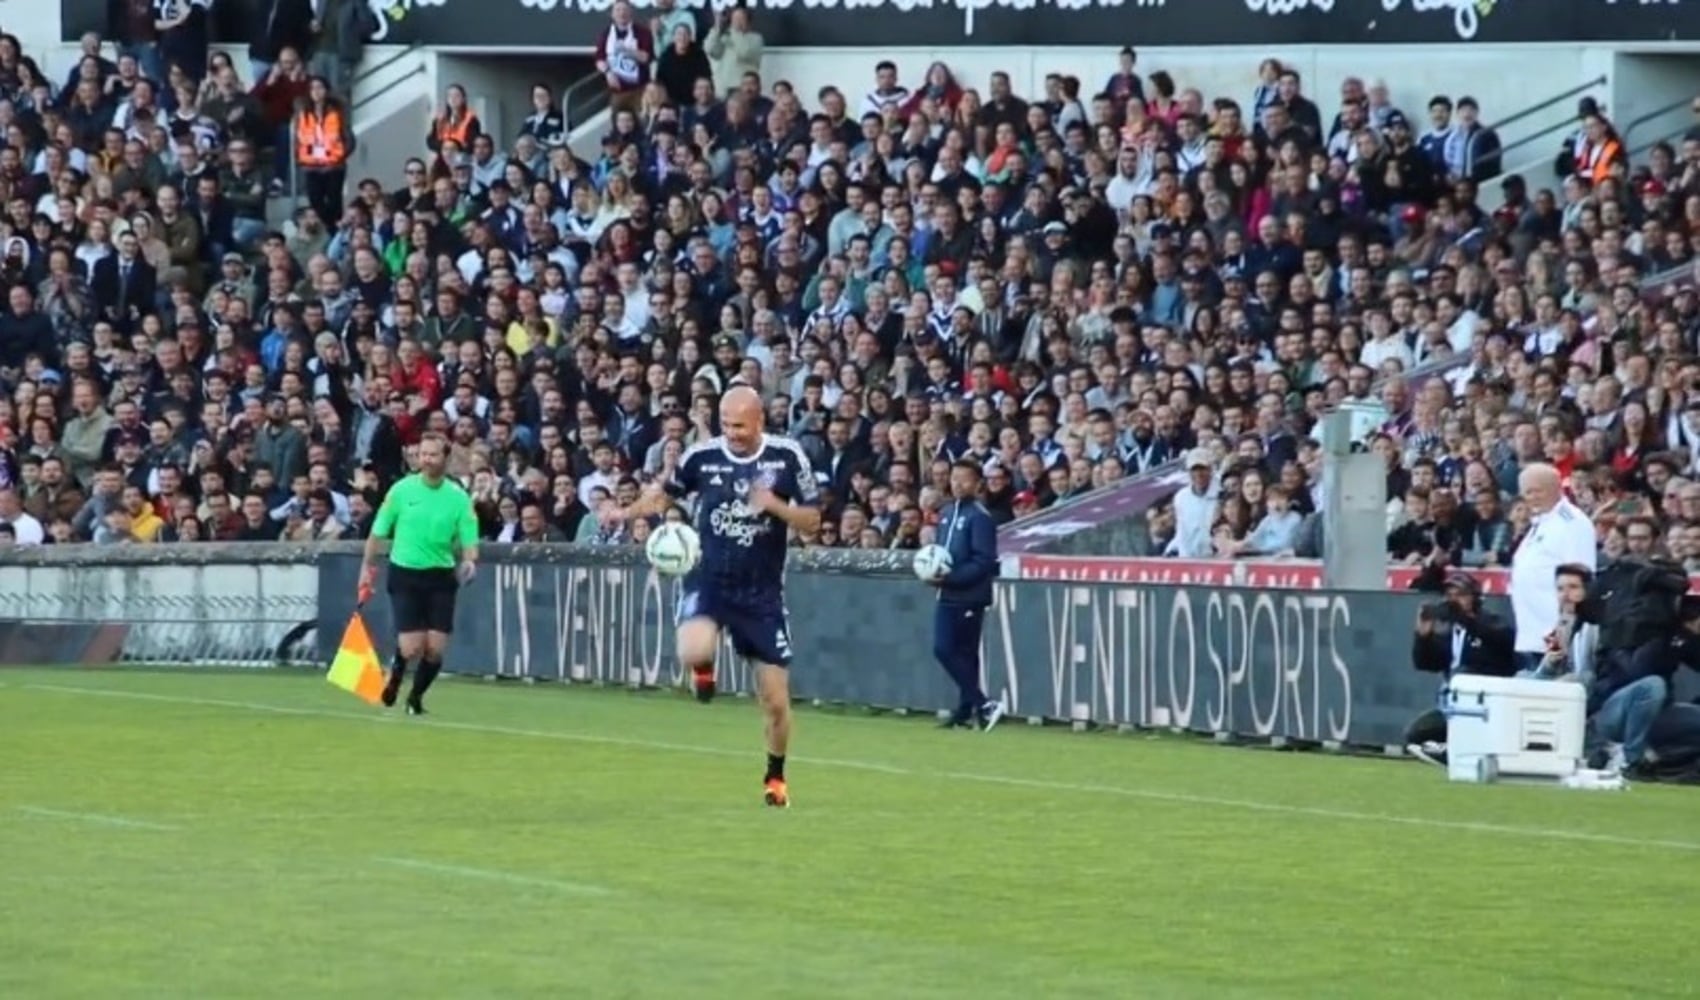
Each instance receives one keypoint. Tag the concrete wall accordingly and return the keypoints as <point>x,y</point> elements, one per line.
<point>1644,88</point>
<point>500,86</point>
<point>393,106</point>
<point>384,142</point>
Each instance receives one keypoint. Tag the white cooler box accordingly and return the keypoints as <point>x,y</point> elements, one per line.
<point>1513,727</point>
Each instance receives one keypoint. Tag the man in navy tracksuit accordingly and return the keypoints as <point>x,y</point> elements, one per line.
<point>968,533</point>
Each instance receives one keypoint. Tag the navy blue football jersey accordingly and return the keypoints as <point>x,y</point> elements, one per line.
<point>743,549</point>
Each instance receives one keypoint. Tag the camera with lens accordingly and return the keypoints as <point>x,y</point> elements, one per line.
<point>1439,611</point>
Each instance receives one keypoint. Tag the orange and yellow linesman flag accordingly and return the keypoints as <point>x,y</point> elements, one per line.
<point>355,668</point>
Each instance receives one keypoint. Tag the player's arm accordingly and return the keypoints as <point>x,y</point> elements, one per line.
<point>801,519</point>
<point>466,540</point>
<point>801,513</point>
<point>655,498</point>
<point>383,526</point>
<point>982,562</point>
<point>652,501</point>
<point>374,546</point>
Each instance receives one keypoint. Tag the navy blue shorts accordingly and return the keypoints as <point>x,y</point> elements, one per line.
<point>758,629</point>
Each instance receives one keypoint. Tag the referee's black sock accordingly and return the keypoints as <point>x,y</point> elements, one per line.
<point>392,684</point>
<point>428,670</point>
<point>775,767</point>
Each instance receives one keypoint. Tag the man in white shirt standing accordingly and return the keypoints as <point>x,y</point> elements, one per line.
<point>1195,509</point>
<point>1559,534</point>
<point>25,528</point>
<point>1385,344</point>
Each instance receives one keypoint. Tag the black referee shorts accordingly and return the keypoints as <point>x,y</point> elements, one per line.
<point>423,600</point>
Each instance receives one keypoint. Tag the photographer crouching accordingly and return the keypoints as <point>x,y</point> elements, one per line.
<point>1646,627</point>
<point>1455,635</point>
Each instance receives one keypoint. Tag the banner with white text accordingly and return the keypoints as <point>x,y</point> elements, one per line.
<point>1299,665</point>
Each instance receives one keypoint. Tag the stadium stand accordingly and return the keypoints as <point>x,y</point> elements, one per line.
<point>1070,288</point>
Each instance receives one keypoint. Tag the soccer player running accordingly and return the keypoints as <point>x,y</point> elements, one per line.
<point>434,550</point>
<point>751,488</point>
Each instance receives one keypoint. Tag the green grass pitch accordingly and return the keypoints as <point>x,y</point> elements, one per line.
<point>180,834</point>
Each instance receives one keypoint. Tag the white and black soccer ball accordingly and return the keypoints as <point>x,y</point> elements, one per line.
<point>931,562</point>
<point>673,549</point>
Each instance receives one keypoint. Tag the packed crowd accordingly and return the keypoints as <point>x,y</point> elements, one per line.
<point>1068,287</point>
<point>1562,327</point>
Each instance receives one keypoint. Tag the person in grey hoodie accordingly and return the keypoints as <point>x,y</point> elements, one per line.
<point>734,48</point>
<point>1278,533</point>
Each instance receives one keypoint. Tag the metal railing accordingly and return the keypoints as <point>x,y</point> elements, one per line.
<point>1540,106</point>
<point>1656,287</point>
<point>1531,161</point>
<point>1542,136</point>
<point>584,99</point>
<point>204,630</point>
<point>387,88</point>
<point>380,66</point>
<point>1636,124</point>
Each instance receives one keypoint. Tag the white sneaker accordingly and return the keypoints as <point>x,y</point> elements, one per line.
<point>990,714</point>
<point>1616,762</point>
<point>1428,751</point>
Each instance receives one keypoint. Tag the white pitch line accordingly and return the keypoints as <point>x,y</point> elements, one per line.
<point>1152,795</point>
<point>488,875</point>
<point>98,819</point>
<point>1322,812</point>
<point>469,727</point>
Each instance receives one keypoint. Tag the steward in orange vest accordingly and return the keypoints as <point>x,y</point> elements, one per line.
<point>459,129</point>
<point>323,136</point>
<point>324,139</point>
<point>1599,151</point>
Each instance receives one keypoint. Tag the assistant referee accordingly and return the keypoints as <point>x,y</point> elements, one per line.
<point>434,550</point>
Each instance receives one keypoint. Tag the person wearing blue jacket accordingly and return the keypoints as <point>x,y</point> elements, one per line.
<point>966,530</point>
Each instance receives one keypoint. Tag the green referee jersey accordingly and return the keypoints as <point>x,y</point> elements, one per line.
<point>426,522</point>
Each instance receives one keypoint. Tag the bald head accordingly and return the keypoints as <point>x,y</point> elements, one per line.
<point>741,417</point>
<point>740,400</point>
<point>1539,484</point>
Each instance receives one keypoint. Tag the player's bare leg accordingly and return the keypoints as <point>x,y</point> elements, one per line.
<point>409,646</point>
<point>430,665</point>
<point>773,687</point>
<point>698,641</point>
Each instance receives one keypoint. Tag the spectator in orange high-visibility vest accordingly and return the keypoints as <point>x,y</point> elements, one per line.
<point>324,138</point>
<point>1600,152</point>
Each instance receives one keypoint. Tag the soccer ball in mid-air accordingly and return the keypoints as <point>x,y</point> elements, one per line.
<point>931,562</point>
<point>673,549</point>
